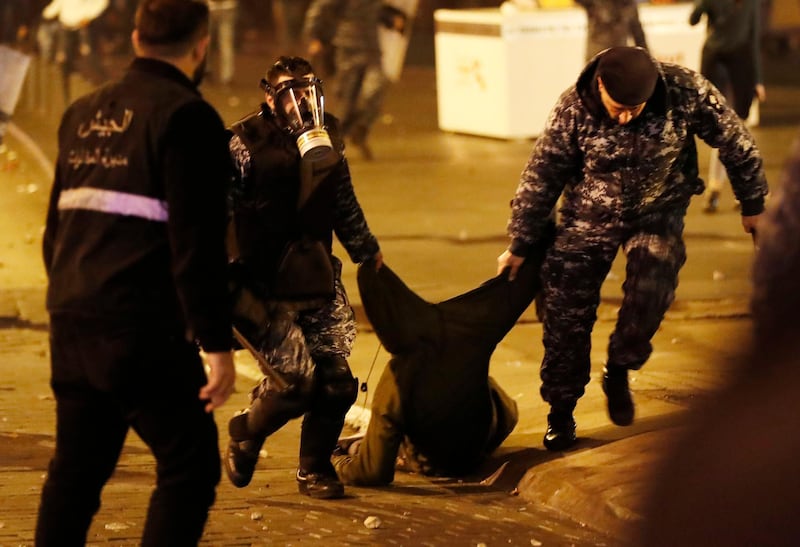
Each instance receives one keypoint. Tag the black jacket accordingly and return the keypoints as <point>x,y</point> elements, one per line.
<point>136,223</point>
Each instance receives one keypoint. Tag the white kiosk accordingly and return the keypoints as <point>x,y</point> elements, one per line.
<point>498,73</point>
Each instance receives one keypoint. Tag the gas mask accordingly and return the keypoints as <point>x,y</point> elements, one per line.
<point>300,109</point>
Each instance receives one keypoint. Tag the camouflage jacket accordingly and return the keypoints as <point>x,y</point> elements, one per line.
<point>612,173</point>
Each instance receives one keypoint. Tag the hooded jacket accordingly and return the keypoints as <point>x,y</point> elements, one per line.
<point>611,173</point>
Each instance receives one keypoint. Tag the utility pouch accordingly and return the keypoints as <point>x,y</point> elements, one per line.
<point>305,272</point>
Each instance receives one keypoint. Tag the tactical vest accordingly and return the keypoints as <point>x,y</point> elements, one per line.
<point>266,216</point>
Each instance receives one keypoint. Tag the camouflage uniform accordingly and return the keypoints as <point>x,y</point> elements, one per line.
<point>625,186</point>
<point>308,342</point>
<point>351,26</point>
<point>610,23</point>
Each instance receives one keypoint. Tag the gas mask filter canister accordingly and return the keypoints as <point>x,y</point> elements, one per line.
<point>300,109</point>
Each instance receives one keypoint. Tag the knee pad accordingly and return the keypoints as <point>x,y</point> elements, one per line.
<point>337,389</point>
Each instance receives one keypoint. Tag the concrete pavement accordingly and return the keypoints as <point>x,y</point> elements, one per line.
<point>438,203</point>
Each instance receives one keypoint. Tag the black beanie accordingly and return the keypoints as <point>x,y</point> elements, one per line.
<point>628,73</point>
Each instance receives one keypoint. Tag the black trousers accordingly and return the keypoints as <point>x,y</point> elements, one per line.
<point>734,74</point>
<point>108,377</point>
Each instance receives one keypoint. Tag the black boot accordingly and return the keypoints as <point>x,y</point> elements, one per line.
<point>241,455</point>
<point>560,433</point>
<point>240,461</point>
<point>712,204</point>
<point>322,425</point>
<point>358,138</point>
<point>620,402</point>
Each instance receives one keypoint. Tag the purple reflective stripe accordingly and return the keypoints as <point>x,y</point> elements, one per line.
<point>115,203</point>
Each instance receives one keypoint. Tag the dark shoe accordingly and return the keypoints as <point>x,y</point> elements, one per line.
<point>712,205</point>
<point>319,485</point>
<point>358,139</point>
<point>364,150</point>
<point>240,461</point>
<point>620,402</point>
<point>560,433</point>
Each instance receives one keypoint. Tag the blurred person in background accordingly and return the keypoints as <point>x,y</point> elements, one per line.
<point>731,60</point>
<point>222,63</point>
<point>76,39</point>
<point>611,23</point>
<point>17,20</point>
<point>134,250</point>
<point>116,25</point>
<point>293,15</point>
<point>350,27</point>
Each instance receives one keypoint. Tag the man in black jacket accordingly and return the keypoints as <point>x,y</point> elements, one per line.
<point>292,191</point>
<point>135,254</point>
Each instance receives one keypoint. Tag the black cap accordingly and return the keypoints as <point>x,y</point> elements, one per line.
<point>629,74</point>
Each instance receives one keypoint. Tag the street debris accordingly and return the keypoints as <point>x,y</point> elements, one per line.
<point>27,188</point>
<point>491,479</point>
<point>373,522</point>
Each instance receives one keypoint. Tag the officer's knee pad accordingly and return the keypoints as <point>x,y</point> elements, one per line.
<point>336,386</point>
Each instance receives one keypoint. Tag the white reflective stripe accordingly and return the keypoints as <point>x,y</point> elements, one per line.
<point>116,203</point>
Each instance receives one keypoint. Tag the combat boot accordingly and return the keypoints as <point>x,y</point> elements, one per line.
<point>241,455</point>
<point>240,461</point>
<point>358,138</point>
<point>712,203</point>
<point>620,402</point>
<point>560,433</point>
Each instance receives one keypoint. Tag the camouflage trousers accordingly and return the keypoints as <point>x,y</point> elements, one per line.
<point>572,275</point>
<point>310,349</point>
<point>361,87</point>
<point>309,335</point>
